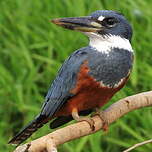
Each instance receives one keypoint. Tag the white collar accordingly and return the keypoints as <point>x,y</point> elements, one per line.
<point>106,42</point>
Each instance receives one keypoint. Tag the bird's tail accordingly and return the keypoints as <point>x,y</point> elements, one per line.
<point>27,131</point>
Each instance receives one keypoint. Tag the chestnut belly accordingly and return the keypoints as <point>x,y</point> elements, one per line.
<point>88,93</point>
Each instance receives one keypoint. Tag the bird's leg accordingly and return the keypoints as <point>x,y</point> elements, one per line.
<point>100,113</point>
<point>76,117</point>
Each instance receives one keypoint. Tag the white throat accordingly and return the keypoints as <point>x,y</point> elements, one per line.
<point>105,43</point>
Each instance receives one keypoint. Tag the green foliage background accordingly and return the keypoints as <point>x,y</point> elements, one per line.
<point>31,51</point>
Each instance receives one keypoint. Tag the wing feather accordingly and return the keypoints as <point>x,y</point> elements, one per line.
<point>59,91</point>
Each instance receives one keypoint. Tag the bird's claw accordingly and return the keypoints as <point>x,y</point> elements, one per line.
<point>76,117</point>
<point>89,120</point>
<point>102,117</point>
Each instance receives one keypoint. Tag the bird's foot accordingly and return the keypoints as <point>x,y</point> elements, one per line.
<point>90,121</point>
<point>102,117</point>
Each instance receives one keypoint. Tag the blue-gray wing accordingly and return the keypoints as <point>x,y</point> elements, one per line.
<point>59,91</point>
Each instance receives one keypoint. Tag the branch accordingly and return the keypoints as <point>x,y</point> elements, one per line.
<point>80,129</point>
<point>138,145</point>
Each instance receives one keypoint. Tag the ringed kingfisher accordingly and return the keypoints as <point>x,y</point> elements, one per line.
<point>91,75</point>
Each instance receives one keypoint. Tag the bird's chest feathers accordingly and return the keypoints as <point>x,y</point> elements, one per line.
<point>88,92</point>
<point>111,60</point>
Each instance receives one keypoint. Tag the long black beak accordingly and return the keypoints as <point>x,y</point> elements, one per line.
<point>83,24</point>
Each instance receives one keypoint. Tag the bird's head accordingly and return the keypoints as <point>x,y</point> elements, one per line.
<point>102,25</point>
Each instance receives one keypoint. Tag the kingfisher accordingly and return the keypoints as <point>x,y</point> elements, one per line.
<point>91,75</point>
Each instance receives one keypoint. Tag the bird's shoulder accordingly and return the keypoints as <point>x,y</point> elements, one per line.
<point>69,69</point>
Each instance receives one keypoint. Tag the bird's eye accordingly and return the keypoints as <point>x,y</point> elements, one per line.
<point>110,22</point>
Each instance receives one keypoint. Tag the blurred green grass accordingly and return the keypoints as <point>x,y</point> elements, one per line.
<point>32,50</point>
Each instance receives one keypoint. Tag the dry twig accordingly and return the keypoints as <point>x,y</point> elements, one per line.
<point>80,129</point>
<point>138,145</point>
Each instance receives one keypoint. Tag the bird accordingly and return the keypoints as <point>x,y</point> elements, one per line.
<point>91,75</point>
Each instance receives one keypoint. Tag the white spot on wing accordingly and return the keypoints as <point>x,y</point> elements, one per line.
<point>115,86</point>
<point>106,42</point>
<point>119,83</point>
<point>101,18</point>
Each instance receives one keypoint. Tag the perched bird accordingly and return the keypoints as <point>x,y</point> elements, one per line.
<point>91,75</point>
